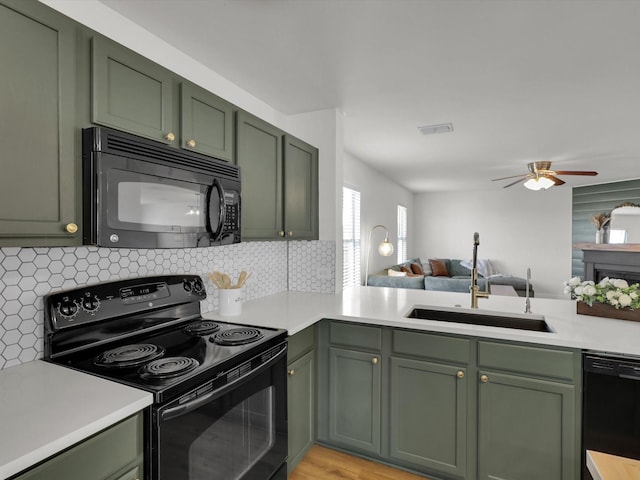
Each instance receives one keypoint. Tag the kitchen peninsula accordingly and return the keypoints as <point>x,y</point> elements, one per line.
<point>365,330</point>
<point>389,306</point>
<point>445,399</point>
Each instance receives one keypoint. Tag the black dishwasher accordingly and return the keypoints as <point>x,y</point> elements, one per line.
<point>611,407</point>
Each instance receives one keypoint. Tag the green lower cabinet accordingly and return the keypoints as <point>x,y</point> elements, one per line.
<point>450,406</point>
<point>113,454</point>
<point>301,408</point>
<point>354,399</point>
<point>428,425</point>
<point>526,429</point>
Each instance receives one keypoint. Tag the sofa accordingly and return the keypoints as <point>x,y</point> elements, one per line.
<point>450,275</point>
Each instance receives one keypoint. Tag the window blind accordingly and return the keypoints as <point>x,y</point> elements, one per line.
<point>351,237</point>
<point>402,234</point>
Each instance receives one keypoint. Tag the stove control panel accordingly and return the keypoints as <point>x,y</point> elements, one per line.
<point>115,299</point>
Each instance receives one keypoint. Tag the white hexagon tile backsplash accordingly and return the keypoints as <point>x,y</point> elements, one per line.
<point>27,274</point>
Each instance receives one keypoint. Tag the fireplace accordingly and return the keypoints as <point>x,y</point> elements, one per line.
<point>613,261</point>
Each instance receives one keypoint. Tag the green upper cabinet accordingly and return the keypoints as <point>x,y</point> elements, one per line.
<point>259,155</point>
<point>300,189</point>
<point>134,94</point>
<point>279,182</point>
<point>206,122</point>
<point>130,92</point>
<point>39,174</point>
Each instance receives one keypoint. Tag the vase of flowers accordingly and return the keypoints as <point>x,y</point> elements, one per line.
<point>611,297</point>
<point>600,220</point>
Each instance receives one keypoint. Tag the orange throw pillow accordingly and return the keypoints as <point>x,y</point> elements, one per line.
<point>417,269</point>
<point>438,268</point>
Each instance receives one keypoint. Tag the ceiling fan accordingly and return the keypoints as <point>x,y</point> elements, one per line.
<point>541,177</point>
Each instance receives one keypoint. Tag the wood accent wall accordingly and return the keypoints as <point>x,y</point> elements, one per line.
<point>592,199</point>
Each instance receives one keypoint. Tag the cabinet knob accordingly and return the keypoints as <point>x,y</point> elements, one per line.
<point>484,378</point>
<point>71,228</point>
<point>291,372</point>
<point>291,234</point>
<point>191,143</point>
<point>460,374</point>
<point>374,360</point>
<point>170,136</point>
<point>281,233</point>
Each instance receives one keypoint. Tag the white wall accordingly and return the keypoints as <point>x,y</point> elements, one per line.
<point>378,205</point>
<point>518,228</point>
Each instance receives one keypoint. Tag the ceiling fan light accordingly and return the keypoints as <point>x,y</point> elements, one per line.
<point>540,183</point>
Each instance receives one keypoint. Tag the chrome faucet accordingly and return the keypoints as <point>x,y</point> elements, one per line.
<point>475,290</point>
<point>527,302</point>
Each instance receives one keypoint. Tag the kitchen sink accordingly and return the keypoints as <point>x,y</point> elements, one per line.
<point>534,323</point>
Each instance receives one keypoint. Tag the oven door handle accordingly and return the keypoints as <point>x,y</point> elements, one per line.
<point>198,402</point>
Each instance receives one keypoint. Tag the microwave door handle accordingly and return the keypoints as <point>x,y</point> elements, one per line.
<point>217,186</point>
<point>198,402</point>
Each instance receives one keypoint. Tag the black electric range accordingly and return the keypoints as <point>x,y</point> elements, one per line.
<point>148,333</point>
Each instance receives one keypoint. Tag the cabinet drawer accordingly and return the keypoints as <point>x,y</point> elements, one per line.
<point>88,461</point>
<point>362,336</point>
<point>133,474</point>
<point>300,343</point>
<point>560,364</point>
<point>427,345</point>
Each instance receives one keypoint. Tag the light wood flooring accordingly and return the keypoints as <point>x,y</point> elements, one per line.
<point>322,463</point>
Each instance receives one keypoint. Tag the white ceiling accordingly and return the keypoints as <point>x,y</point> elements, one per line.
<point>521,80</point>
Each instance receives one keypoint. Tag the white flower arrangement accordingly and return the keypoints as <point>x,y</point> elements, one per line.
<point>611,291</point>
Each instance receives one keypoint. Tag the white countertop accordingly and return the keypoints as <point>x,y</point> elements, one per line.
<point>46,408</point>
<point>388,306</point>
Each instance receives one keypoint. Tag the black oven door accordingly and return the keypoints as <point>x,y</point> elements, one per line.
<point>145,205</point>
<point>237,432</point>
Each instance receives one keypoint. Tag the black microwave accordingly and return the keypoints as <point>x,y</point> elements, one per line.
<point>138,193</point>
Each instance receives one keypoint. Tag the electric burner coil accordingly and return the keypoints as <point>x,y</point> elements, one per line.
<point>202,328</point>
<point>128,356</point>
<point>237,336</point>
<point>168,367</point>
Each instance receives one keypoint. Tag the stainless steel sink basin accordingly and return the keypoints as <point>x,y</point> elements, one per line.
<point>534,323</point>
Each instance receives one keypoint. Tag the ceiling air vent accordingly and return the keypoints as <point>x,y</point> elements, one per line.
<point>432,129</point>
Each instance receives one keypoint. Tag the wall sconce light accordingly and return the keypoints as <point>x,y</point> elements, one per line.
<point>385,249</point>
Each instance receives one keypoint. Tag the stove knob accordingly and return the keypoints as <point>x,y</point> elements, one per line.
<point>90,304</point>
<point>197,286</point>
<point>187,286</point>
<point>68,308</point>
